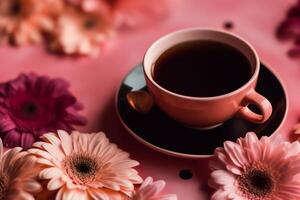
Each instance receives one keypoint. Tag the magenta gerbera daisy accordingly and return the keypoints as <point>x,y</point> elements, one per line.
<point>253,169</point>
<point>31,105</point>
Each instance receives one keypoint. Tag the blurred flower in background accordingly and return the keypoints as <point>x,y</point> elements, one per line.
<point>73,27</point>
<point>126,12</point>
<point>32,105</point>
<point>78,32</point>
<point>289,29</point>
<point>24,21</point>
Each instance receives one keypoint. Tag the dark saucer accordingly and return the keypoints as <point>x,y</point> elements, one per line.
<point>158,131</point>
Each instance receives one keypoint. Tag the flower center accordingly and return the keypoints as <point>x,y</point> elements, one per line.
<point>111,2</point>
<point>84,167</point>
<point>257,182</point>
<point>81,168</point>
<point>89,23</point>
<point>261,180</point>
<point>15,7</point>
<point>28,110</point>
<point>3,186</point>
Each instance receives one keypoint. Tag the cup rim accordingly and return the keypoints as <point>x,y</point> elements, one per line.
<point>241,88</point>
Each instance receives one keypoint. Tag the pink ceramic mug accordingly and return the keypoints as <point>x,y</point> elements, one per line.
<point>206,112</point>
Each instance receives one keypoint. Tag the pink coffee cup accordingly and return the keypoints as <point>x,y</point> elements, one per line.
<point>207,112</point>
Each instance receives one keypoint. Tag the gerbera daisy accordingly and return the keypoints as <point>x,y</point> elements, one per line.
<point>31,105</point>
<point>253,169</point>
<point>17,175</point>
<point>289,28</point>
<point>80,33</point>
<point>87,166</point>
<point>23,21</point>
<point>150,190</point>
<point>297,129</point>
<point>125,12</point>
<point>45,194</point>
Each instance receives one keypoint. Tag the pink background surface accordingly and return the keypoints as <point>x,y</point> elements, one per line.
<point>95,80</point>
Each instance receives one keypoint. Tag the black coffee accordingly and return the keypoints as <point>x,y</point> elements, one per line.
<point>202,68</point>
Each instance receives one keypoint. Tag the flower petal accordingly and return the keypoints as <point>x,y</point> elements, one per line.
<point>55,184</point>
<point>26,140</point>
<point>67,144</point>
<point>50,173</point>
<point>32,186</point>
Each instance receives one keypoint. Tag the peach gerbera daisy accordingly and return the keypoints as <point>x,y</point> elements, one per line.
<point>150,190</point>
<point>87,166</point>
<point>253,169</point>
<point>80,33</point>
<point>23,21</point>
<point>17,182</point>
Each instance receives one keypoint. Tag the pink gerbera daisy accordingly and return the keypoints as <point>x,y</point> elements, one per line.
<point>31,105</point>
<point>150,190</point>
<point>17,175</point>
<point>253,169</point>
<point>85,166</point>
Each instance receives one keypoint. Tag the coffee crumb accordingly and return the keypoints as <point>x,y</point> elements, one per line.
<point>228,25</point>
<point>185,174</point>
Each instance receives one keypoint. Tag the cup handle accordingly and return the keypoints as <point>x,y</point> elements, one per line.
<point>261,102</point>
